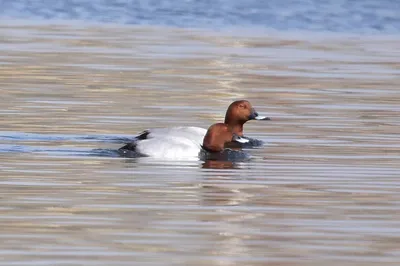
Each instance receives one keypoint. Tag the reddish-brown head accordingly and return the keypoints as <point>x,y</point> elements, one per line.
<point>216,137</point>
<point>238,113</point>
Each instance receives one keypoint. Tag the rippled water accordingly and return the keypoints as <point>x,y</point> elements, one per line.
<point>324,189</point>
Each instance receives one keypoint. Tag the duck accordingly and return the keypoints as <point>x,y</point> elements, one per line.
<point>186,142</point>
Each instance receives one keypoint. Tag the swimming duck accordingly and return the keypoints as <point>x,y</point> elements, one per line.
<point>186,142</point>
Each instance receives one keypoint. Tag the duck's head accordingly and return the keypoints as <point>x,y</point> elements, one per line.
<point>238,113</point>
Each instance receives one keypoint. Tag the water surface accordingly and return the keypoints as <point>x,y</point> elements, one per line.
<point>324,189</point>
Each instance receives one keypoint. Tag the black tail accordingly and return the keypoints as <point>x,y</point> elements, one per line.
<point>143,135</point>
<point>132,145</point>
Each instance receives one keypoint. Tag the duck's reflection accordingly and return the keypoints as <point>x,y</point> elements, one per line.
<point>215,164</point>
<point>221,191</point>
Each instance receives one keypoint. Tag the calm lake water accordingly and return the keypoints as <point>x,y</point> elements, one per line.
<point>324,189</point>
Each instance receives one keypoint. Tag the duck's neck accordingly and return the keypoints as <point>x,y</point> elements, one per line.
<point>235,126</point>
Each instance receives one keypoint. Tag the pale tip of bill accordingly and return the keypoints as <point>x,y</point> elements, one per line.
<point>262,118</point>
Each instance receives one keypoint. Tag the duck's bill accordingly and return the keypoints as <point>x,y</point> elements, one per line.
<point>254,116</point>
<point>261,118</point>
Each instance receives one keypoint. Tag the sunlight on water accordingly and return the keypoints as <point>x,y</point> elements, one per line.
<point>324,189</point>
